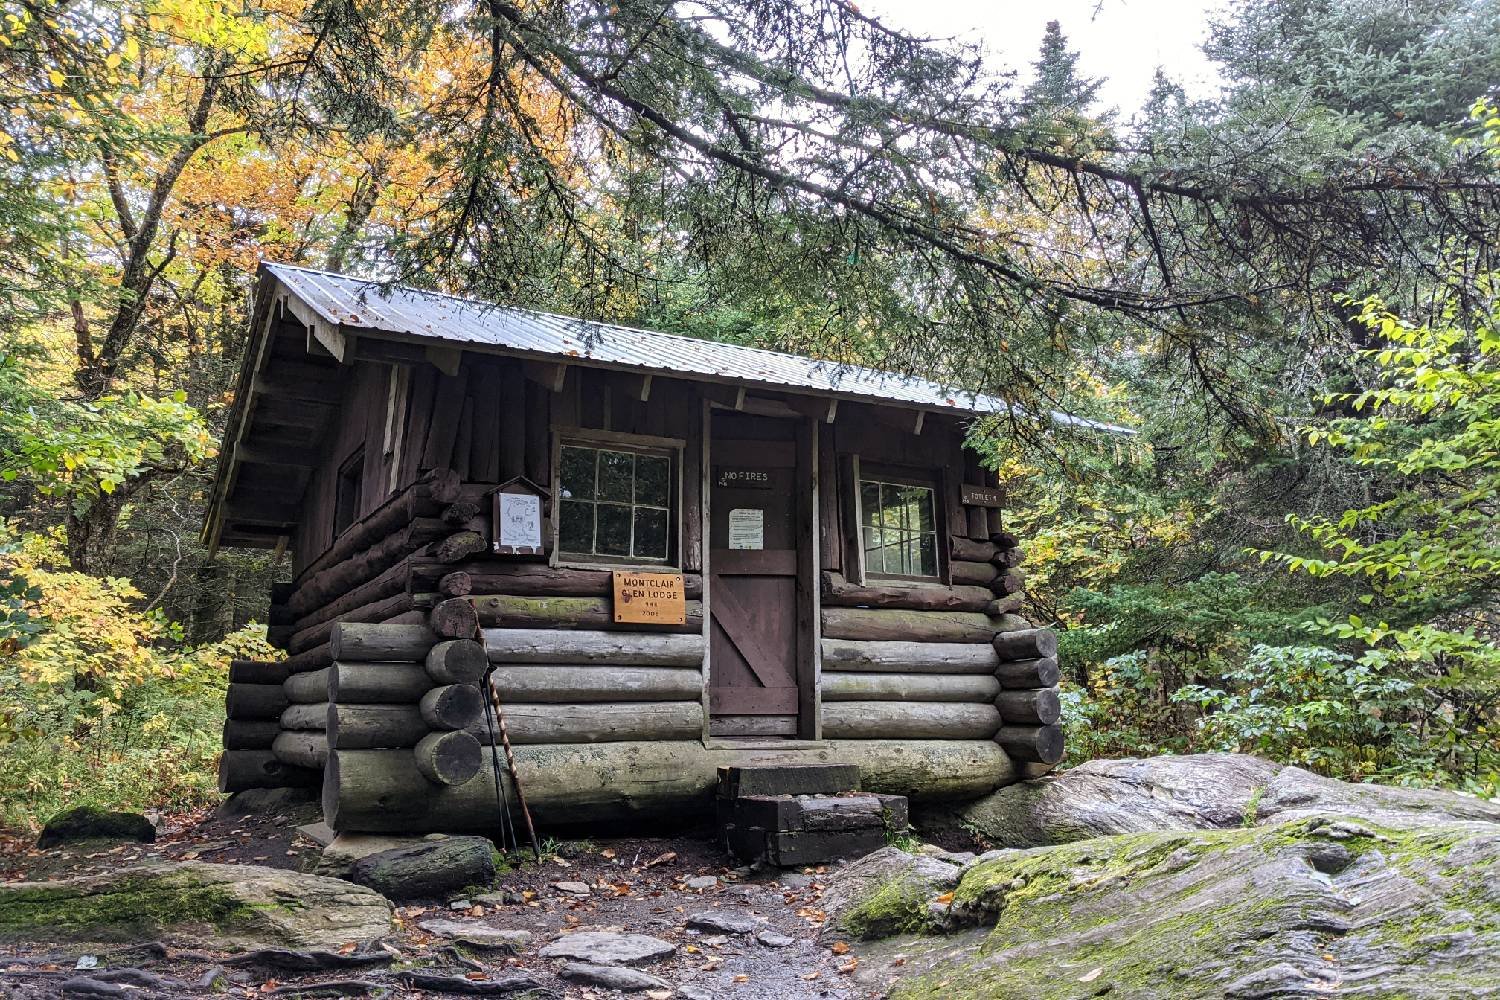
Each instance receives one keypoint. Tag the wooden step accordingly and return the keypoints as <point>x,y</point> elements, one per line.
<point>791,779</point>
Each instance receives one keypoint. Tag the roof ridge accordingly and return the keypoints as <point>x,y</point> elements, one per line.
<point>879,373</point>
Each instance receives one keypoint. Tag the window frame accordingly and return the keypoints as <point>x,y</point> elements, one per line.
<point>932,479</point>
<point>666,447</point>
<point>355,464</point>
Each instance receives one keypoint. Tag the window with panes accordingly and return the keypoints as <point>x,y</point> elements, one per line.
<point>898,528</point>
<point>616,503</point>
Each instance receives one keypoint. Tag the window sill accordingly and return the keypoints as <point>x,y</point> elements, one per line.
<point>624,567</point>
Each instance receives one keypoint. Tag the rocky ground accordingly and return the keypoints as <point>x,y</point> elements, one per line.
<point>711,929</point>
<point>1210,876</point>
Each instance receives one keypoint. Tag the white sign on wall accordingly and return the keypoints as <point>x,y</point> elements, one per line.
<point>747,528</point>
<point>520,521</point>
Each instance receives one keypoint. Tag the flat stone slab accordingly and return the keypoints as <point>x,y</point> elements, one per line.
<point>612,977</point>
<point>701,882</point>
<point>319,833</point>
<point>724,923</point>
<point>573,888</point>
<point>771,939</point>
<point>241,907</point>
<point>476,935</point>
<point>609,948</point>
<point>340,854</point>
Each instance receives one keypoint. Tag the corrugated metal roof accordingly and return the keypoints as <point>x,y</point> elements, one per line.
<point>360,303</point>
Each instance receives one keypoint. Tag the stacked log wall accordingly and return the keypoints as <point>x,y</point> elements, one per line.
<point>923,661</point>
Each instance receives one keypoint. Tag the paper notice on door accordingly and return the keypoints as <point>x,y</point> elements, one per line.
<point>747,528</point>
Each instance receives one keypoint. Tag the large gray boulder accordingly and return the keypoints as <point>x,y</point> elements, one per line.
<point>218,906</point>
<point>1215,791</point>
<point>1310,908</point>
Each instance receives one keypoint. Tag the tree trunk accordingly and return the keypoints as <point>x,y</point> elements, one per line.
<point>383,791</point>
<point>377,683</point>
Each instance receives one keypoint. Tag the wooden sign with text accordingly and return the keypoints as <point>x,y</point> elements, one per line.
<point>981,496</point>
<point>744,478</point>
<point>650,598</point>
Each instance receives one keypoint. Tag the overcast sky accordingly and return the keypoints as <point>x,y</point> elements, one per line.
<point>1122,40</point>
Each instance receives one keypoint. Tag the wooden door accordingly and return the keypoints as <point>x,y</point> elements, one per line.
<point>754,493</point>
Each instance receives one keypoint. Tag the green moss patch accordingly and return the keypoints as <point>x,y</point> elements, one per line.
<point>897,906</point>
<point>132,906</point>
<point>1227,912</point>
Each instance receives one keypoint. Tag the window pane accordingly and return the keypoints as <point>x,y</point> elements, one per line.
<point>614,529</point>
<point>899,528</point>
<point>651,480</point>
<point>928,564</point>
<point>911,555</point>
<point>650,533</point>
<point>890,507</point>
<point>615,475</point>
<point>918,501</point>
<point>576,529</point>
<point>891,553</point>
<point>873,541</point>
<point>869,502</point>
<point>577,473</point>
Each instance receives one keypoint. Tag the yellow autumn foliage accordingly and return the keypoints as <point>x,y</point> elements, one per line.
<point>101,703</point>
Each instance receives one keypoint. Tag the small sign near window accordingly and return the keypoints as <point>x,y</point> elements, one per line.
<point>747,528</point>
<point>520,525</point>
<point>649,598</point>
<point>981,496</point>
<point>518,519</point>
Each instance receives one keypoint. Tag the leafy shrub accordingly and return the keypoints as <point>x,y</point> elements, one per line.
<point>100,702</point>
<point>1309,706</point>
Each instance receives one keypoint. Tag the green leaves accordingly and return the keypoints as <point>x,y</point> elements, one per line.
<point>80,450</point>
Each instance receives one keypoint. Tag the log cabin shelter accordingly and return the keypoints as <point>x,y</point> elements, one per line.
<point>835,577</point>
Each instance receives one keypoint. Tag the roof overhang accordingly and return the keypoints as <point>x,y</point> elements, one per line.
<point>318,322</point>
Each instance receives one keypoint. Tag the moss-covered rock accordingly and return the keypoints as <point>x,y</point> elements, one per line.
<point>885,893</point>
<point>428,869</point>
<point>223,906</point>
<point>1214,791</point>
<point>87,823</point>
<point>1309,908</point>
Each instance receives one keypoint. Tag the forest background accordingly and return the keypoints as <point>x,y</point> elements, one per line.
<point>1287,289</point>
